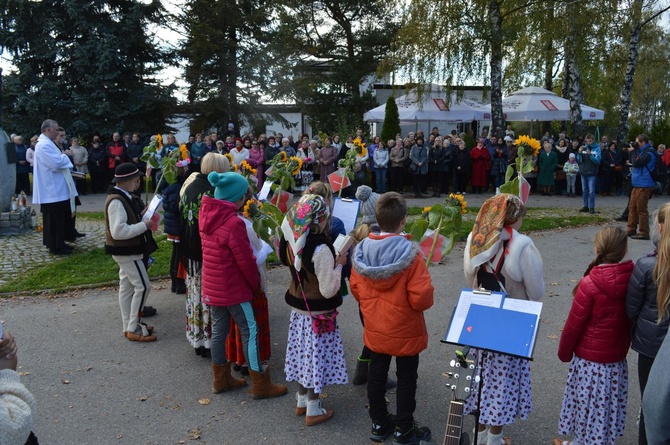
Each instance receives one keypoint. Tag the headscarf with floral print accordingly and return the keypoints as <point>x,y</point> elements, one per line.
<point>310,210</point>
<point>495,214</point>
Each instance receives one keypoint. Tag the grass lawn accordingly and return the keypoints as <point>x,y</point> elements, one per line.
<point>95,267</point>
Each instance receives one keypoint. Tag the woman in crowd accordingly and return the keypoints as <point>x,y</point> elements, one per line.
<point>198,151</point>
<point>436,165</point>
<point>80,161</point>
<point>315,154</point>
<point>650,325</point>
<point>418,166</point>
<point>22,167</point>
<point>304,176</point>
<point>97,167</point>
<point>314,357</point>
<point>257,158</point>
<point>499,165</point>
<point>461,168</point>
<point>562,155</point>
<point>328,160</point>
<point>499,258</point>
<point>381,162</point>
<point>198,320</point>
<point>595,339</point>
<point>481,165</point>
<point>240,152</point>
<point>547,163</point>
<point>397,160</point>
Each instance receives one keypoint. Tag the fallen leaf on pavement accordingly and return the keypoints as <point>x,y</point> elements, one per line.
<point>67,382</point>
<point>143,398</point>
<point>203,401</point>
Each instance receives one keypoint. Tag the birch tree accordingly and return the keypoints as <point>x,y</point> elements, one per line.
<point>641,14</point>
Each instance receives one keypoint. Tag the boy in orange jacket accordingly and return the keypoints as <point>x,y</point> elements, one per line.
<point>393,287</point>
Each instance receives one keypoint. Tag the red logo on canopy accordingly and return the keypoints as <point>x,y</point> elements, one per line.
<point>549,105</point>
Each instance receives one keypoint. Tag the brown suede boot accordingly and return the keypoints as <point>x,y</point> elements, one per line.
<point>263,387</point>
<point>223,380</point>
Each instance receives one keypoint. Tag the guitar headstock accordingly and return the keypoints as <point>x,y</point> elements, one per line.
<point>462,378</point>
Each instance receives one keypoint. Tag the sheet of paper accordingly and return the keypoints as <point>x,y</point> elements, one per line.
<point>265,191</point>
<point>347,211</point>
<point>153,206</point>
<point>467,298</point>
<point>529,307</point>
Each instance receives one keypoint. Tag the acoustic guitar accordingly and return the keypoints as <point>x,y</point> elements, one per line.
<point>461,373</point>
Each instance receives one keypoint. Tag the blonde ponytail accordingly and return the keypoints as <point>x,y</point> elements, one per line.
<point>660,274</point>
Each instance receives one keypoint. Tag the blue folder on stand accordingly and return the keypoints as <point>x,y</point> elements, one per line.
<point>499,330</point>
<point>493,322</point>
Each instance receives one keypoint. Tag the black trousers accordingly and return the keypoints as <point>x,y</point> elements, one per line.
<point>57,219</point>
<point>406,373</point>
<point>643,368</point>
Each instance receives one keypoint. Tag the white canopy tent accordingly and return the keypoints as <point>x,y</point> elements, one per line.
<point>538,104</point>
<point>434,107</point>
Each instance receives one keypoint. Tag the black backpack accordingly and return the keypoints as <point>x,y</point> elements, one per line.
<point>660,170</point>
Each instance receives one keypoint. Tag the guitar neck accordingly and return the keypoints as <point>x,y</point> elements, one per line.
<point>452,436</point>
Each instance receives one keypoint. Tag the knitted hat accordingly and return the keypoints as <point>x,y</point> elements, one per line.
<point>368,200</point>
<point>230,186</point>
<point>125,171</point>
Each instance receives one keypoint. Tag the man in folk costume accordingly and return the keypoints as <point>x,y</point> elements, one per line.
<point>499,258</point>
<point>129,241</point>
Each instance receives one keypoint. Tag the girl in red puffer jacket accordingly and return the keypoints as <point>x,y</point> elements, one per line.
<point>596,338</point>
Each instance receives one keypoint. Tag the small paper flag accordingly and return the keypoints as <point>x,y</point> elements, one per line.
<point>283,201</point>
<point>427,242</point>
<point>336,180</point>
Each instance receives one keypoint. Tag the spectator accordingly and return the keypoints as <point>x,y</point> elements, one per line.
<point>643,161</point>
<point>381,161</point>
<point>135,150</point>
<point>481,165</point>
<point>97,167</point>
<point>547,163</point>
<point>419,166</point>
<point>461,167</point>
<point>22,167</point>
<point>80,161</point>
<point>116,155</point>
<point>589,157</point>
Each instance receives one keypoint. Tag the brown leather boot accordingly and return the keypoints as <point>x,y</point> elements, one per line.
<point>223,380</point>
<point>263,387</point>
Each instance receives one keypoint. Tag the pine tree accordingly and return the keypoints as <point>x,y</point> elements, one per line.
<point>391,125</point>
<point>89,64</point>
<point>227,66</point>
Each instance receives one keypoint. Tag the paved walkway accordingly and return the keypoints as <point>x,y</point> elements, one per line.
<point>21,252</point>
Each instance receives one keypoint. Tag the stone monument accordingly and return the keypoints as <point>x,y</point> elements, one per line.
<point>7,171</point>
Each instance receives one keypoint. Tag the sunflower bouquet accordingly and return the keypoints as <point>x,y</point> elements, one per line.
<point>283,169</point>
<point>153,156</point>
<point>246,170</point>
<point>265,218</point>
<point>527,148</point>
<point>439,226</point>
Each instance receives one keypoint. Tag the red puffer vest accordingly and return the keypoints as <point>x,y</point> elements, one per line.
<point>597,328</point>
<point>229,272</point>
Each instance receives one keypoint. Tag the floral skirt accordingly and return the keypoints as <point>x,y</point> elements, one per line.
<point>506,393</point>
<point>312,360</point>
<point>198,321</point>
<point>234,346</point>
<point>594,401</point>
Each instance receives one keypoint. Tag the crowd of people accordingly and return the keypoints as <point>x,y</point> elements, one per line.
<point>226,320</point>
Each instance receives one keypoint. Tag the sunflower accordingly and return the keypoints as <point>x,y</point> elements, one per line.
<point>230,158</point>
<point>252,208</point>
<point>235,167</point>
<point>457,200</point>
<point>183,152</point>
<point>298,163</point>
<point>284,158</point>
<point>525,142</point>
<point>426,210</point>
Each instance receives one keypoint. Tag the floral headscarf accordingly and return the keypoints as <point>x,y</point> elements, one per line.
<point>496,213</point>
<point>310,210</point>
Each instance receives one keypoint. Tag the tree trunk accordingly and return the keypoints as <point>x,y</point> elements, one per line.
<point>497,116</point>
<point>627,90</point>
<point>574,86</point>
